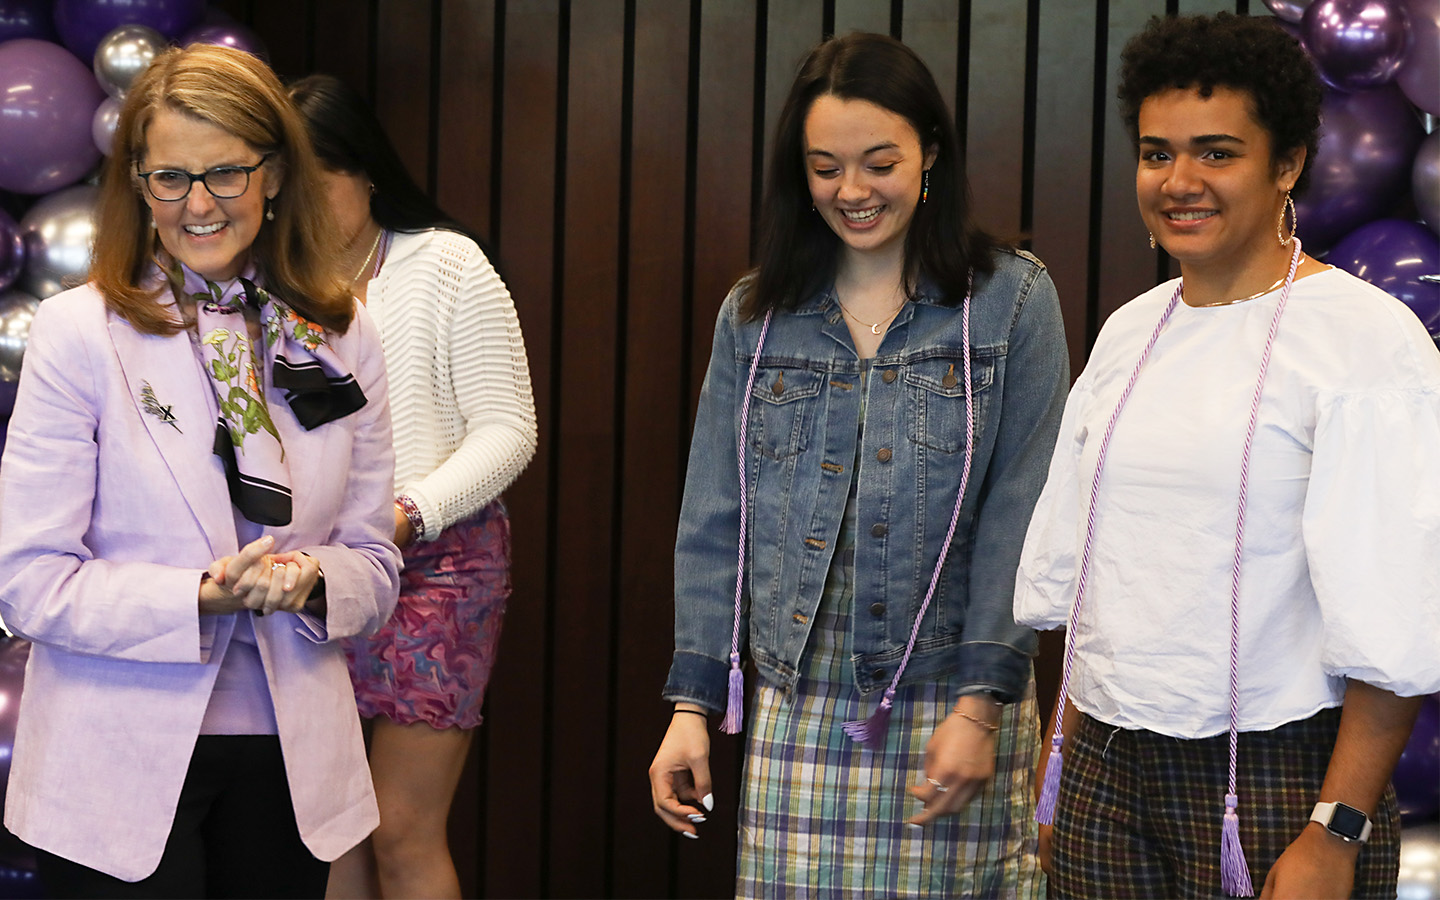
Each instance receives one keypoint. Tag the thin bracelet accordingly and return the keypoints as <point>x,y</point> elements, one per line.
<point>694,712</point>
<point>988,726</point>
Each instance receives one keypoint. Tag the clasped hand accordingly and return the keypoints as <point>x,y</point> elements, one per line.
<point>258,580</point>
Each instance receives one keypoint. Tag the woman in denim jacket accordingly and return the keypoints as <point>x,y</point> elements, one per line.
<point>876,603</point>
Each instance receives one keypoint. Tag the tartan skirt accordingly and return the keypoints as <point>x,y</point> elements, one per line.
<point>1139,813</point>
<point>823,816</point>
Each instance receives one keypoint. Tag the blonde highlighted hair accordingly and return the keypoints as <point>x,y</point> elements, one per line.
<point>236,92</point>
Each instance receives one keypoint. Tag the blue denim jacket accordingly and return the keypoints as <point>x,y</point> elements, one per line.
<point>801,447</point>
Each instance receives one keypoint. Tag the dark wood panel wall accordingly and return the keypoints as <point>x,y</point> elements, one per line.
<point>611,151</point>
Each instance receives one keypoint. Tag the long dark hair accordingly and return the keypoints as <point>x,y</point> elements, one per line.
<point>797,249</point>
<point>349,138</point>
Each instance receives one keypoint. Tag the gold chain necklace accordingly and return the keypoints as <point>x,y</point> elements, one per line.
<point>873,326</point>
<point>1272,287</point>
<point>369,256</point>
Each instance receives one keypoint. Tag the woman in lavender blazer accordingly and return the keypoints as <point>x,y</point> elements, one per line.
<point>187,727</point>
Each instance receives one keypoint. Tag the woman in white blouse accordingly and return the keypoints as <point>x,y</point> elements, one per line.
<point>1240,520</point>
<point>464,423</point>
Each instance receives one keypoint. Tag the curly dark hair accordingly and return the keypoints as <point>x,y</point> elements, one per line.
<point>1251,55</point>
<point>797,250</point>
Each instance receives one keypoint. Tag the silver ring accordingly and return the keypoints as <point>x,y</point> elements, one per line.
<point>940,786</point>
<point>276,565</point>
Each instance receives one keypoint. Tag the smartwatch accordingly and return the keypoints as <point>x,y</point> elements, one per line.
<point>1344,821</point>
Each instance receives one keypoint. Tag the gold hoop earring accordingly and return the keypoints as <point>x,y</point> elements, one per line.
<point>1294,222</point>
<point>1153,245</point>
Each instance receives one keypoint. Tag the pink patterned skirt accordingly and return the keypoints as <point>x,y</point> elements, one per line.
<point>431,661</point>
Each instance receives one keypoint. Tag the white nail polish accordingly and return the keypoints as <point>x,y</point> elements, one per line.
<point>709,802</point>
<point>696,818</point>
<point>693,837</point>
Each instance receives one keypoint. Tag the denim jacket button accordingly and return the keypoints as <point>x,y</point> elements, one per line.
<point>879,529</point>
<point>877,609</point>
<point>884,454</point>
<point>888,376</point>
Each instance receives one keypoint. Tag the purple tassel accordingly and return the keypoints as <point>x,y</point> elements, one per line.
<point>1045,808</point>
<point>735,704</point>
<point>871,731</point>
<point>1234,871</point>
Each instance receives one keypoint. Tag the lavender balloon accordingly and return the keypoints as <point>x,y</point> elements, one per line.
<point>102,127</point>
<point>228,35</point>
<point>1367,143</point>
<point>47,98</point>
<point>12,250</point>
<point>1419,77</point>
<point>1425,181</point>
<point>84,23</point>
<point>1392,254</point>
<point>25,18</point>
<point>1357,43</point>
<point>1288,10</point>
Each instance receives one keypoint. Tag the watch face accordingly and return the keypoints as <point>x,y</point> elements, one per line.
<point>1347,821</point>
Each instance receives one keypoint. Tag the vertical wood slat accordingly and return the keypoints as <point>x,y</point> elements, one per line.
<point>585,452</point>
<point>618,309</point>
<point>654,404</point>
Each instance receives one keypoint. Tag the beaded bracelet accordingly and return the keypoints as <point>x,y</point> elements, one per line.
<point>412,512</point>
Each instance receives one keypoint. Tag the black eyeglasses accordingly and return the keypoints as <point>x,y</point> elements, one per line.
<point>223,182</point>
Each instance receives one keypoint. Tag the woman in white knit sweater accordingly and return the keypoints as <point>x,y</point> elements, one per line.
<point>464,423</point>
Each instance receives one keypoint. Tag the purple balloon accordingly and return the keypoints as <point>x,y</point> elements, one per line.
<point>228,35</point>
<point>1419,77</point>
<point>1367,142</point>
<point>1358,43</point>
<point>83,23</point>
<point>12,250</point>
<point>47,99</point>
<point>14,652</point>
<point>1288,10</point>
<point>26,18</point>
<point>1392,254</point>
<point>1417,774</point>
<point>1425,181</point>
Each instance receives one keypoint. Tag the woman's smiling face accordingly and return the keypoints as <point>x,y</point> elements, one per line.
<point>209,235</point>
<point>1208,182</point>
<point>864,166</point>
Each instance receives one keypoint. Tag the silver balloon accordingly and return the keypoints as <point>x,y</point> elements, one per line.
<point>59,232</point>
<point>1426,181</point>
<point>17,311</point>
<point>1288,10</point>
<point>1419,863</point>
<point>123,54</point>
<point>102,127</point>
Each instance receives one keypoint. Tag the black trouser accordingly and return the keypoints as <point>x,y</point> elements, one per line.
<point>234,834</point>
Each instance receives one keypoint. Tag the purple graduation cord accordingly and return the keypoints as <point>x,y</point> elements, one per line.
<point>1234,872</point>
<point>735,699</point>
<point>871,731</point>
<point>866,731</point>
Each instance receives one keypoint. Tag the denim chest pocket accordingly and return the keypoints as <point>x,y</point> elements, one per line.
<point>782,404</point>
<point>937,400</point>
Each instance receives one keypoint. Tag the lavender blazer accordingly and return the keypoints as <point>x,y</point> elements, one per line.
<point>108,518</point>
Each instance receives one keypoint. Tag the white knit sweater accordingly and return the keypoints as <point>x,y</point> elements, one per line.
<point>460,398</point>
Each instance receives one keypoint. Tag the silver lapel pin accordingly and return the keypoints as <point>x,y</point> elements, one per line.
<point>153,407</point>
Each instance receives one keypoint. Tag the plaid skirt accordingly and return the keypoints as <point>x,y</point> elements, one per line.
<point>1139,813</point>
<point>822,816</point>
